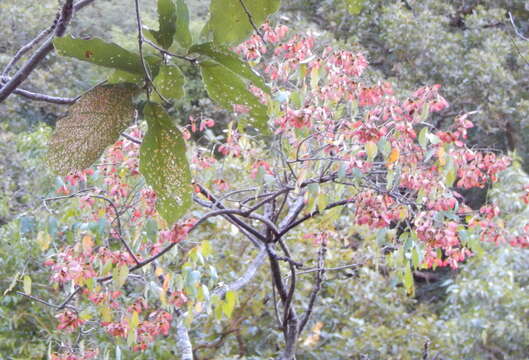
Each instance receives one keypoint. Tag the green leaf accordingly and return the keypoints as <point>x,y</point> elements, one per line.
<point>120,276</point>
<point>94,122</point>
<point>371,150</point>
<point>408,279</point>
<point>27,284</point>
<point>169,82</point>
<point>120,76</point>
<point>385,147</point>
<point>230,23</point>
<point>164,165</point>
<point>229,303</point>
<point>354,6</point>
<point>415,258</point>
<point>228,89</point>
<point>423,139</point>
<point>182,35</point>
<point>450,177</point>
<point>99,52</point>
<point>132,336</point>
<point>207,249</point>
<point>192,279</point>
<point>167,20</point>
<point>134,321</point>
<point>225,57</point>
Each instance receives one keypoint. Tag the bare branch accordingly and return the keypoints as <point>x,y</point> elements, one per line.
<point>317,286</point>
<point>250,19</point>
<point>183,342</point>
<point>141,40</point>
<point>131,138</point>
<point>43,97</point>
<point>24,49</point>
<point>166,52</point>
<point>516,30</point>
<point>39,55</point>
<point>246,277</point>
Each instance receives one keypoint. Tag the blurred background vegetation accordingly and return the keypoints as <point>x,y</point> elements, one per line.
<point>469,46</point>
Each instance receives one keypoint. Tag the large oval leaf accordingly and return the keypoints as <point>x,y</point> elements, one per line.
<point>167,20</point>
<point>225,57</point>
<point>182,36</point>
<point>94,122</point>
<point>230,23</point>
<point>169,82</point>
<point>99,52</point>
<point>164,165</point>
<point>228,89</point>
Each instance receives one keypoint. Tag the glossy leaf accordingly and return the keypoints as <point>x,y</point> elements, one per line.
<point>94,122</point>
<point>182,35</point>
<point>230,19</point>
<point>164,165</point>
<point>169,82</point>
<point>167,19</point>
<point>228,89</point>
<point>225,57</point>
<point>99,52</point>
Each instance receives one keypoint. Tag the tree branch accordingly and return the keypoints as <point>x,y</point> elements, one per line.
<point>39,55</point>
<point>183,342</point>
<point>516,30</point>
<point>250,19</point>
<point>317,286</point>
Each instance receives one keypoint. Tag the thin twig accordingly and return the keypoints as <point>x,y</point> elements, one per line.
<point>250,19</point>
<point>131,138</point>
<point>41,97</point>
<point>24,49</point>
<point>141,40</point>
<point>516,30</point>
<point>317,286</point>
<point>39,55</point>
<point>166,52</point>
<point>69,298</point>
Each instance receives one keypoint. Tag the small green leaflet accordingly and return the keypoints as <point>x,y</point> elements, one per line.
<point>27,284</point>
<point>169,82</point>
<point>164,165</point>
<point>227,89</point>
<point>99,52</point>
<point>371,150</point>
<point>354,6</point>
<point>225,57</point>
<point>450,172</point>
<point>229,304</point>
<point>230,23</point>
<point>93,123</point>
<point>182,35</point>
<point>167,20</point>
<point>408,279</point>
<point>423,137</point>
